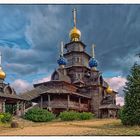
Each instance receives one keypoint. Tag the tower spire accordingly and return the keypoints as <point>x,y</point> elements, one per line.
<point>62,48</point>
<point>75,33</point>
<point>61,61</point>
<point>74,16</point>
<point>93,62</point>
<point>92,51</point>
<point>0,59</point>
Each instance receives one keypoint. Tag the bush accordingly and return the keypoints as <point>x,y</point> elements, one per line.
<point>1,116</point>
<point>5,117</point>
<point>39,115</point>
<point>86,116</point>
<point>72,115</point>
<point>69,115</point>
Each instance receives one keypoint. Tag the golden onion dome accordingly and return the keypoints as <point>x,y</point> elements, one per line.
<point>109,90</point>
<point>75,34</point>
<point>2,73</point>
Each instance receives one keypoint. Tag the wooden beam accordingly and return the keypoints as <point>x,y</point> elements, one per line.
<point>49,100</point>
<point>80,103</point>
<point>41,101</point>
<point>68,100</point>
<point>17,109</point>
<point>3,106</point>
<point>23,108</point>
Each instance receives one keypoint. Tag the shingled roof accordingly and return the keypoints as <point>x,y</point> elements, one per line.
<point>32,94</point>
<point>36,92</point>
<point>13,96</point>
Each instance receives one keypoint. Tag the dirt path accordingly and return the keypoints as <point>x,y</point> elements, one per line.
<point>90,127</point>
<point>57,128</point>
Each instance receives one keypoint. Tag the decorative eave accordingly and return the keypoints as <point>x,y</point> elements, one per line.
<point>55,82</point>
<point>63,91</point>
<point>82,52</point>
<point>66,45</point>
<point>78,66</point>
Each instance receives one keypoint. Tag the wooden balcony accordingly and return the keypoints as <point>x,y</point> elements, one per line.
<point>65,105</point>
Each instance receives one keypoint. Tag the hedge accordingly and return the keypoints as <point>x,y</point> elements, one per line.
<point>38,115</point>
<point>86,116</point>
<point>72,115</point>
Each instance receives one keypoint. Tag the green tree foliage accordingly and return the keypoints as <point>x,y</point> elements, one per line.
<point>130,114</point>
<point>39,115</point>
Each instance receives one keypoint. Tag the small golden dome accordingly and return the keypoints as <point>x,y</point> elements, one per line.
<point>109,90</point>
<point>75,34</point>
<point>2,74</point>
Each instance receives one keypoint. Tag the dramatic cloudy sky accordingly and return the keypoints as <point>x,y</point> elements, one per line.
<point>30,36</point>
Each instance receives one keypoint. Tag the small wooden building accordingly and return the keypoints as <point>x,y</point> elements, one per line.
<point>9,98</point>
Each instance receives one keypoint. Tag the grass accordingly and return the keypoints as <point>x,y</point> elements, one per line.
<point>94,127</point>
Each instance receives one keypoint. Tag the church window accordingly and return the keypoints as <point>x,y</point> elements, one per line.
<point>79,75</point>
<point>77,59</point>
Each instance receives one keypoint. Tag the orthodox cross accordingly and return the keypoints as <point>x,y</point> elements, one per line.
<point>74,16</point>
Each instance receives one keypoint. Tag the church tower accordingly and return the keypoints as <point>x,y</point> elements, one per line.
<point>77,58</point>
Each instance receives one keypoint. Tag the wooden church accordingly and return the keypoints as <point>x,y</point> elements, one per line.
<point>77,84</point>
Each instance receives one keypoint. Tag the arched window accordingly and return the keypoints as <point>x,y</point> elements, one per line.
<point>55,76</point>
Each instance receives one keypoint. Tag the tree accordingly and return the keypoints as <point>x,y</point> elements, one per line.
<point>131,111</point>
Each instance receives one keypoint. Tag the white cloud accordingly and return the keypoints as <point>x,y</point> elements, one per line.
<point>120,100</point>
<point>21,86</point>
<point>117,84</point>
<point>45,79</point>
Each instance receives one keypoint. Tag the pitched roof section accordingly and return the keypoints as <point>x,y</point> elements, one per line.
<point>32,94</point>
<point>42,89</point>
<point>13,96</point>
